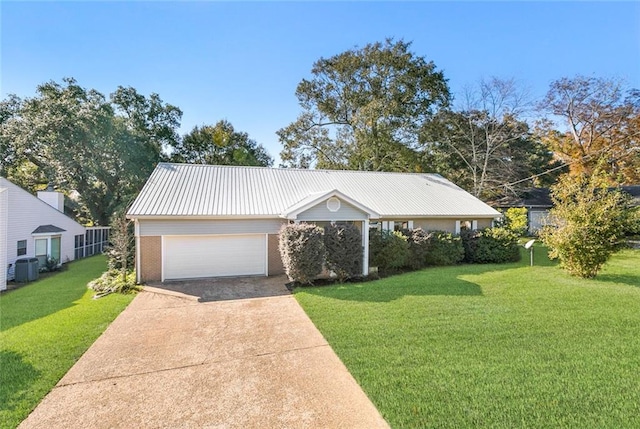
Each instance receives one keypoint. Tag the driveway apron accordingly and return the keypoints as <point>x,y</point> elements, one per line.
<point>175,360</point>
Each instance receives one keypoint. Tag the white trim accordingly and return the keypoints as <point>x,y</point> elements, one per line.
<point>365,244</point>
<point>266,255</point>
<point>136,234</point>
<point>333,204</point>
<point>305,204</point>
<point>162,245</point>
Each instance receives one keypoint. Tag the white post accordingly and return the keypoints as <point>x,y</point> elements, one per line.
<point>365,244</point>
<point>457,227</point>
<point>391,225</point>
<point>474,225</point>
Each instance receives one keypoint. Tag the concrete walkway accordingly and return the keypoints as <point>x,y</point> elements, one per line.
<point>171,360</point>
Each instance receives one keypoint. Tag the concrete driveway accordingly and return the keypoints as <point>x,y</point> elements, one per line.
<point>178,358</point>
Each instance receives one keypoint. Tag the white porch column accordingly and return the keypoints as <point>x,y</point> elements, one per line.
<point>474,225</point>
<point>365,244</point>
<point>457,227</point>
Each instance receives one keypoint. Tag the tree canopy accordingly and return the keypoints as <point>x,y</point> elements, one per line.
<point>220,144</point>
<point>601,123</point>
<point>483,145</point>
<point>74,138</point>
<point>363,109</point>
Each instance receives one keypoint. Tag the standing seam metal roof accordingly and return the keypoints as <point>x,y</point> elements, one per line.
<point>212,190</point>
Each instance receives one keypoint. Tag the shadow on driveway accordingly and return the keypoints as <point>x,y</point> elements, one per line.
<point>224,288</point>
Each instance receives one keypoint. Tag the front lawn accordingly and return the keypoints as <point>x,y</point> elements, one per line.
<point>44,328</point>
<point>494,346</point>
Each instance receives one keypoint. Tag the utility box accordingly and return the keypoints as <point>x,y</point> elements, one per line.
<point>26,270</point>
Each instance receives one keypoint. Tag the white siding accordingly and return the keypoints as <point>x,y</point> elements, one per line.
<point>320,212</point>
<point>25,214</point>
<point>3,238</point>
<point>206,227</point>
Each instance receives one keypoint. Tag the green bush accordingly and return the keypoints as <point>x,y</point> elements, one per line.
<point>302,250</point>
<point>490,246</point>
<point>388,250</point>
<point>418,241</point>
<point>444,248</point>
<point>111,281</point>
<point>343,244</point>
<point>517,221</point>
<point>591,223</point>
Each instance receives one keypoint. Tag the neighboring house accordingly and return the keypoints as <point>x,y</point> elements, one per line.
<point>196,221</point>
<point>538,202</point>
<point>37,227</point>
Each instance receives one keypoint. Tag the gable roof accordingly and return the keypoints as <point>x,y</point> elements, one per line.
<point>47,229</point>
<point>313,199</point>
<point>231,191</point>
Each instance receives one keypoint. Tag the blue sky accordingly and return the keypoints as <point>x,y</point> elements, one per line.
<point>242,61</point>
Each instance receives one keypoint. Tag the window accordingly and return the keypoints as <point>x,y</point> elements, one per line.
<point>41,251</point>
<point>79,246</point>
<point>22,247</point>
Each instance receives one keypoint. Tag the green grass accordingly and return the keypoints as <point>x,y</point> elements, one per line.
<point>44,328</point>
<point>493,346</point>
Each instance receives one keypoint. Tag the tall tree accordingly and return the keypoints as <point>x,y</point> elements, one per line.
<point>220,144</point>
<point>363,109</point>
<point>72,137</point>
<point>600,121</point>
<point>483,145</point>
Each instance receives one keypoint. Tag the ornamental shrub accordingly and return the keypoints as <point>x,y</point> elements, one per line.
<point>490,246</point>
<point>517,221</point>
<point>444,248</point>
<point>388,250</point>
<point>590,223</point>
<point>343,244</point>
<point>418,244</point>
<point>302,250</point>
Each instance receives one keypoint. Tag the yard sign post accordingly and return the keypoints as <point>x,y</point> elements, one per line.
<point>529,247</point>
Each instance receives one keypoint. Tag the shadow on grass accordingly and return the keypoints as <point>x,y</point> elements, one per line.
<point>442,281</point>
<point>40,299</point>
<point>15,379</point>
<point>626,279</point>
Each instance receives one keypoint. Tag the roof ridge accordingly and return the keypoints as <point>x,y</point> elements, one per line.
<point>320,170</point>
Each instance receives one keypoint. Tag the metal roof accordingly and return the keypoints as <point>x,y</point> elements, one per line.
<point>226,191</point>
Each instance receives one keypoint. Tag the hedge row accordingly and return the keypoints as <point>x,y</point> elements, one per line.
<point>416,248</point>
<point>305,249</point>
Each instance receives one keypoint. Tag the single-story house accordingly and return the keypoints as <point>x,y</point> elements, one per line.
<point>36,227</point>
<point>194,221</point>
<point>538,202</point>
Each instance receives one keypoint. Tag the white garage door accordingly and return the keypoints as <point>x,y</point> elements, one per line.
<point>195,256</point>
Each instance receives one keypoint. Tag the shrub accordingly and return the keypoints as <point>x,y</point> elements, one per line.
<point>50,265</point>
<point>388,250</point>
<point>444,248</point>
<point>516,220</point>
<point>343,244</point>
<point>591,223</point>
<point>111,281</point>
<point>490,246</point>
<point>302,250</point>
<point>418,241</point>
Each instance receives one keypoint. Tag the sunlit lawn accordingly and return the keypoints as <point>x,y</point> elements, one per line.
<point>499,346</point>
<point>44,328</point>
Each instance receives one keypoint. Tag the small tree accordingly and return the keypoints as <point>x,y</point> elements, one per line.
<point>343,244</point>
<point>120,252</point>
<point>591,221</point>
<point>302,250</point>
